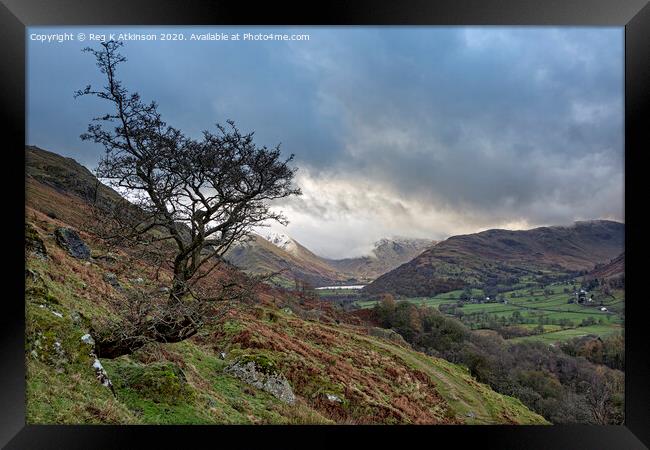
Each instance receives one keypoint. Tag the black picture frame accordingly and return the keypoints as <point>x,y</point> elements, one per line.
<point>15,15</point>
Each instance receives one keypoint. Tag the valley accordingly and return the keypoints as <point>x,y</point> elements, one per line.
<point>469,330</point>
<point>537,313</point>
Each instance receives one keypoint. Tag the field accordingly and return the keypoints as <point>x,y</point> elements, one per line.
<point>542,311</point>
<point>570,333</point>
<point>447,297</point>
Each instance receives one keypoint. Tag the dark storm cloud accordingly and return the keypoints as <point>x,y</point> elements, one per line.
<point>195,83</point>
<point>514,124</point>
<point>423,131</point>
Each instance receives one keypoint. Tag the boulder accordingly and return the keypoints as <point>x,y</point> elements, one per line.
<point>70,241</point>
<point>262,374</point>
<point>102,376</point>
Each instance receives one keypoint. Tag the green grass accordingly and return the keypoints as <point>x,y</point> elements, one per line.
<point>547,328</point>
<point>338,292</point>
<point>532,305</point>
<point>191,388</point>
<point>61,383</point>
<point>564,335</point>
<point>157,395</point>
<point>435,301</point>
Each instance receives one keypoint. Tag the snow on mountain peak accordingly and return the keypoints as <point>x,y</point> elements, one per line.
<point>282,241</point>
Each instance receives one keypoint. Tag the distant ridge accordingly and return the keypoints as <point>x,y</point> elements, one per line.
<point>386,255</point>
<point>499,256</point>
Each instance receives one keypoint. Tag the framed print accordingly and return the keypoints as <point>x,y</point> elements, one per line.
<point>333,221</point>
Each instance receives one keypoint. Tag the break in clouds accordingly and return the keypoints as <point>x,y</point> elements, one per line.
<point>418,132</point>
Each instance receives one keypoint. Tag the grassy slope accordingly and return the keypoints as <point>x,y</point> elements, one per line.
<point>378,381</point>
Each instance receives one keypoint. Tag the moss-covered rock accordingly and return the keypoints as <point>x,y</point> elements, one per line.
<point>263,363</point>
<point>161,382</point>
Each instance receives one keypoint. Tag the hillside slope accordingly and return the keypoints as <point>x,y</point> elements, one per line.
<point>278,252</point>
<point>65,175</point>
<point>376,381</point>
<point>502,256</point>
<point>258,256</point>
<point>613,269</point>
<point>338,371</point>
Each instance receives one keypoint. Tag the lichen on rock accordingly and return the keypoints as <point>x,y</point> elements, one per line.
<point>261,372</point>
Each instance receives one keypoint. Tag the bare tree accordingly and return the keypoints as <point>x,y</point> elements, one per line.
<point>605,396</point>
<point>189,199</point>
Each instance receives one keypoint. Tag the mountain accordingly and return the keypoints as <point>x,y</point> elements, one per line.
<point>259,255</point>
<point>285,242</point>
<point>386,256</point>
<point>504,257</point>
<point>278,251</point>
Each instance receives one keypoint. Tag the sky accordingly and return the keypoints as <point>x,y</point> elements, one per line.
<point>423,132</point>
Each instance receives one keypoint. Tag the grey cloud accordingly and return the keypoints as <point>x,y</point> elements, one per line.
<point>530,128</point>
<point>426,131</point>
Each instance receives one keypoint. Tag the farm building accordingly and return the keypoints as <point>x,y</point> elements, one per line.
<point>581,296</point>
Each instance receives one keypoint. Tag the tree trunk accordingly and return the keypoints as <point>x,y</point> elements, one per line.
<point>179,283</point>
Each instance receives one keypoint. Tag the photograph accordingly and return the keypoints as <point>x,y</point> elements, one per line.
<point>325,225</point>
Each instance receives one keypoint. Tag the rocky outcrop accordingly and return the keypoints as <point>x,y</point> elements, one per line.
<point>70,241</point>
<point>262,374</point>
<point>33,243</point>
